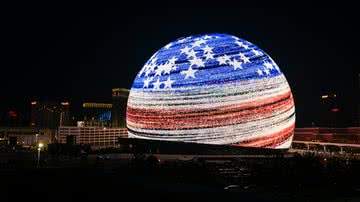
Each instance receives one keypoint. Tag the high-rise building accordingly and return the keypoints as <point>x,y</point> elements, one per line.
<point>328,111</point>
<point>119,102</point>
<point>96,114</point>
<point>49,114</point>
<point>95,136</point>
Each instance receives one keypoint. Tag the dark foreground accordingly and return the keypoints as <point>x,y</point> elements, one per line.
<point>298,178</point>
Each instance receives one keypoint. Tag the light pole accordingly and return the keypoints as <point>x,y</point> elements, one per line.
<point>36,138</point>
<point>40,145</point>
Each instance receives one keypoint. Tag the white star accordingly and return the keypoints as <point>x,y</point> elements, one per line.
<point>259,72</point>
<point>181,40</point>
<point>146,67</point>
<point>159,70</point>
<point>244,58</point>
<point>168,46</point>
<point>172,60</point>
<point>266,71</point>
<point>167,68</point>
<point>185,50</point>
<point>268,65</point>
<point>191,53</point>
<point>207,49</point>
<point>207,37</point>
<point>157,84</point>
<point>147,81</point>
<point>198,43</point>
<point>168,83</point>
<point>152,67</point>
<point>275,65</point>
<point>257,53</point>
<point>236,64</point>
<point>147,72</point>
<point>197,61</point>
<point>189,73</point>
<point>241,44</point>
<point>223,59</point>
<point>209,56</point>
<point>153,60</point>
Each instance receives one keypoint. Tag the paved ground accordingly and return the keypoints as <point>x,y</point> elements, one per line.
<point>184,178</point>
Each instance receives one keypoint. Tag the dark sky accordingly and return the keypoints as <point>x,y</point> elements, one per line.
<point>79,51</point>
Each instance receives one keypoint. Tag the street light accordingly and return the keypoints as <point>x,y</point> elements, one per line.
<point>40,145</point>
<point>36,138</point>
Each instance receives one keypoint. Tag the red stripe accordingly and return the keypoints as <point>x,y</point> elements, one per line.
<point>170,113</point>
<point>234,114</point>
<point>272,140</point>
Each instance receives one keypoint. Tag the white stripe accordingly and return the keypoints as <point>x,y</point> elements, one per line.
<point>225,134</point>
<point>286,144</point>
<point>208,98</point>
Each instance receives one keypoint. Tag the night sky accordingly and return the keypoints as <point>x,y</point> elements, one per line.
<point>78,52</point>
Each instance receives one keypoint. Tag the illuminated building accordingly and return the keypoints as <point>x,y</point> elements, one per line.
<point>26,136</point>
<point>119,101</point>
<point>96,114</point>
<point>212,89</point>
<point>95,136</point>
<point>49,114</point>
<point>328,110</point>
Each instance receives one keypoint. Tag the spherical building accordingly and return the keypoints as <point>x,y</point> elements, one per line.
<point>212,89</point>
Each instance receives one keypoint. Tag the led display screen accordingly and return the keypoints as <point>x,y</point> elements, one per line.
<point>212,89</point>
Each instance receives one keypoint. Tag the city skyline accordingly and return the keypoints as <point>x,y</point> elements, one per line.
<point>180,100</point>
<point>80,53</point>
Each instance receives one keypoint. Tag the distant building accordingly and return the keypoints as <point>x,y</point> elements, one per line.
<point>119,102</point>
<point>96,114</point>
<point>26,136</point>
<point>328,110</point>
<point>95,136</point>
<point>49,114</point>
<point>358,101</point>
<point>13,117</point>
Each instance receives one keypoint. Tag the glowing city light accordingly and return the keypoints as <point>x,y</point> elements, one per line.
<point>212,89</point>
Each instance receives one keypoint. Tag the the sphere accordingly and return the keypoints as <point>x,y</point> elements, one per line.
<point>212,89</point>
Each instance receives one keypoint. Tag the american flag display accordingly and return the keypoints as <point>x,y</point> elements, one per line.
<point>212,89</point>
